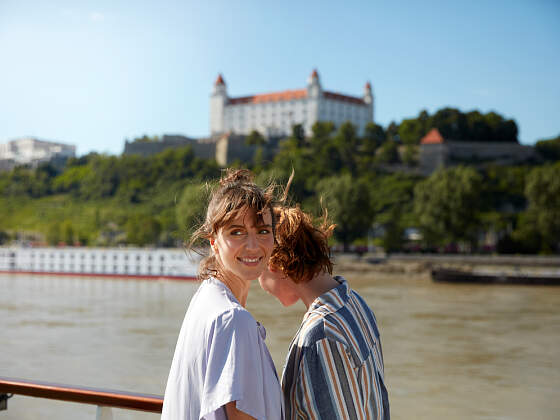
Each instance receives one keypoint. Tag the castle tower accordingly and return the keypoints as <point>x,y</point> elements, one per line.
<point>314,95</point>
<point>368,99</point>
<point>218,102</point>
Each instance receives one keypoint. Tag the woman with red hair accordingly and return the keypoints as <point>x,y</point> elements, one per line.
<point>334,368</point>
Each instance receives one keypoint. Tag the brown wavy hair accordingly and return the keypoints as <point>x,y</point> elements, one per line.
<point>235,194</point>
<point>301,250</point>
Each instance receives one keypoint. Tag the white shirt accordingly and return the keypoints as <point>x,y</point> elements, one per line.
<point>220,357</point>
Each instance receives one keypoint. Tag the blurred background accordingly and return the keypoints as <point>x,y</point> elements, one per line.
<point>430,132</point>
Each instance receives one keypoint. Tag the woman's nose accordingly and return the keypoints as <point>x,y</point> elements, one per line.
<point>252,241</point>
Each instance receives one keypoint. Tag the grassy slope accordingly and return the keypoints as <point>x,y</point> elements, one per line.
<point>36,215</point>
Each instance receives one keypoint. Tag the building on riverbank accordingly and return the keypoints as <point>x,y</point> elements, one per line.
<point>274,114</point>
<point>32,151</point>
<point>437,151</point>
<point>100,262</point>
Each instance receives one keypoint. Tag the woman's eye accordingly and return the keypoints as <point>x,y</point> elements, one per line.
<point>264,231</point>
<point>236,232</point>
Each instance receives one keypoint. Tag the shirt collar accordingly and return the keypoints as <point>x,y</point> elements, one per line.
<point>332,300</point>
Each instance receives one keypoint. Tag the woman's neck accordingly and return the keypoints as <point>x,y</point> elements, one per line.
<point>321,283</point>
<point>238,287</point>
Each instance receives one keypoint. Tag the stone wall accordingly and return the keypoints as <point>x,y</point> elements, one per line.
<point>449,153</point>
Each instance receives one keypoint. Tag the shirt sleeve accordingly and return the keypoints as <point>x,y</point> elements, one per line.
<point>328,387</point>
<point>234,369</point>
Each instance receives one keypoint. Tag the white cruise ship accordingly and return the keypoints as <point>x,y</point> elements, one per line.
<point>102,262</point>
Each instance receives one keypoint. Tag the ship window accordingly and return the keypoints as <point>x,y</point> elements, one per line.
<point>149,269</point>
<point>51,255</point>
<point>137,268</point>
<point>82,267</point>
<point>32,255</point>
<point>126,268</point>
<point>126,257</point>
<point>138,258</point>
<point>93,256</point>
<point>71,256</point>
<point>161,257</point>
<point>103,257</point>
<point>114,256</point>
<point>82,256</point>
<point>93,268</point>
<point>114,268</point>
<point>161,269</point>
<point>149,258</point>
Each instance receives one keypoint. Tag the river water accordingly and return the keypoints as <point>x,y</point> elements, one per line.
<point>451,351</point>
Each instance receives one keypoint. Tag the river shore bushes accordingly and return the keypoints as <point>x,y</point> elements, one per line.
<point>369,184</point>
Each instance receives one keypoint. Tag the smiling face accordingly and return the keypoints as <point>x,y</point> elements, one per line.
<point>275,282</point>
<point>243,246</point>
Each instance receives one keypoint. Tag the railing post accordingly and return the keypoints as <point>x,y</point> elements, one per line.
<point>104,413</point>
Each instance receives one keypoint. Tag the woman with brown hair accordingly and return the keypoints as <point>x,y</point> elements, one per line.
<point>334,368</point>
<point>221,368</point>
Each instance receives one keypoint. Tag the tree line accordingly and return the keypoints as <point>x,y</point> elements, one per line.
<point>157,199</point>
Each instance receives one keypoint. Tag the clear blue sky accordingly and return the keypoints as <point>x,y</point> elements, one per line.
<point>93,73</point>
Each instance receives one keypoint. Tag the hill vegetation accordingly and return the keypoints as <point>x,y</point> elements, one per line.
<point>101,200</point>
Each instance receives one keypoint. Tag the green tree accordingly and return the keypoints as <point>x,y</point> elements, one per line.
<point>190,210</point>
<point>347,144</point>
<point>54,234</point>
<point>142,230</point>
<point>388,153</point>
<point>543,194</point>
<point>67,233</point>
<point>392,239</point>
<point>549,149</point>
<point>411,131</point>
<point>410,155</point>
<point>374,136</point>
<point>391,203</point>
<point>447,205</point>
<point>392,132</point>
<point>255,139</point>
<point>348,203</point>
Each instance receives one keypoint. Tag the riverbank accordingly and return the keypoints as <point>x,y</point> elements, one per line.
<point>424,263</point>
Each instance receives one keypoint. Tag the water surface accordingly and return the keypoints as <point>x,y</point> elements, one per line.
<point>451,351</point>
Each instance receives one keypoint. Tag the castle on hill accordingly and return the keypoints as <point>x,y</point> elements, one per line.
<point>274,114</point>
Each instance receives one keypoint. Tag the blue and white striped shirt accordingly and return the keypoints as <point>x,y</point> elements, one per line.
<point>334,368</point>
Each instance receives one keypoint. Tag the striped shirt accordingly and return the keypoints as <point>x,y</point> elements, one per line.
<point>334,368</point>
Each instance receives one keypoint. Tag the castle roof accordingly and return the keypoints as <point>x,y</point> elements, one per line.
<point>289,95</point>
<point>286,95</point>
<point>433,137</point>
<point>219,80</point>
<point>343,98</point>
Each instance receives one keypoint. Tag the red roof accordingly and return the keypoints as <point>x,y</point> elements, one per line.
<point>343,98</point>
<point>286,95</point>
<point>368,85</point>
<point>219,80</point>
<point>314,75</point>
<point>433,137</point>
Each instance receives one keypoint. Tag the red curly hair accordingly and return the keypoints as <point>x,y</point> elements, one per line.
<point>301,250</point>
